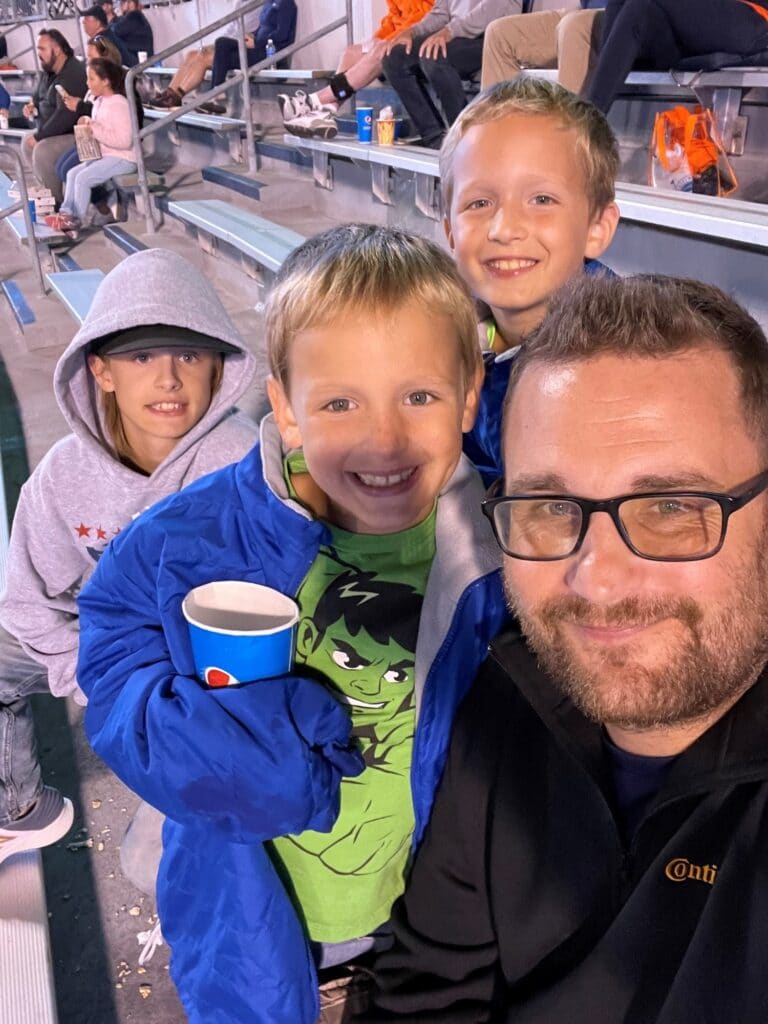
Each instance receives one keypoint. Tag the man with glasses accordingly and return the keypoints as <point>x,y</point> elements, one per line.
<point>597,852</point>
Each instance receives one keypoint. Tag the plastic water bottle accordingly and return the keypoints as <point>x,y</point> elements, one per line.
<point>271,48</point>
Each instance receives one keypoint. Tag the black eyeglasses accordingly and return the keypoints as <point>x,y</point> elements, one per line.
<point>663,526</point>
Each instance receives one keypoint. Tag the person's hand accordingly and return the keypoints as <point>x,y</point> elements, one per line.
<point>29,111</point>
<point>70,102</point>
<point>402,38</point>
<point>30,142</point>
<point>436,45</point>
<point>249,41</point>
<point>83,120</point>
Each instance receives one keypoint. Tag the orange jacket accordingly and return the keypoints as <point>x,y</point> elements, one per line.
<point>402,14</point>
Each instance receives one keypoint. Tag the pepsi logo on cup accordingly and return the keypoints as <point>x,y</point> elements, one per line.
<point>217,677</point>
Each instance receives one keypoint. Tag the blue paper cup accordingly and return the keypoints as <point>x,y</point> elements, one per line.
<point>365,124</point>
<point>240,631</point>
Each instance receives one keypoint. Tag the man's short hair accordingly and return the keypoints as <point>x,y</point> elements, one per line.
<point>651,316</point>
<point>596,143</point>
<point>96,12</point>
<point>366,270</point>
<point>61,40</point>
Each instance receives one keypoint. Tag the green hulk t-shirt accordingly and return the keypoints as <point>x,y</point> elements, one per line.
<point>360,607</point>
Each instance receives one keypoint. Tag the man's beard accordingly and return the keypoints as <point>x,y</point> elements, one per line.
<point>48,65</point>
<point>706,665</point>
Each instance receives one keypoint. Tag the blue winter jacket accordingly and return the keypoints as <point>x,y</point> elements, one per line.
<point>234,768</point>
<point>482,445</point>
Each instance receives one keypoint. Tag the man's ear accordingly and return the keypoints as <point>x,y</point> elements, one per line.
<point>448,231</point>
<point>601,231</point>
<point>281,407</point>
<point>100,370</point>
<point>307,636</point>
<point>472,400</point>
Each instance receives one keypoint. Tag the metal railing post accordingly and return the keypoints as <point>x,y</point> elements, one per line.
<point>350,31</point>
<point>250,141</point>
<point>23,205</point>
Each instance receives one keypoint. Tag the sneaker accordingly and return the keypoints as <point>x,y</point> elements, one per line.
<point>169,99</point>
<point>62,222</point>
<point>319,124</point>
<point>49,820</point>
<point>298,104</point>
<point>212,107</point>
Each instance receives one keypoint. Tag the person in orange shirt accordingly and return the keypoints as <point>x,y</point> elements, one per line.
<point>360,64</point>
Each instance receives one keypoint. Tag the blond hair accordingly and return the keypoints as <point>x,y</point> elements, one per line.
<point>596,142</point>
<point>366,270</point>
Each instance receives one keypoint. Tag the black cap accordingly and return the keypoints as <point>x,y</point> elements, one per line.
<point>95,12</point>
<point>141,339</point>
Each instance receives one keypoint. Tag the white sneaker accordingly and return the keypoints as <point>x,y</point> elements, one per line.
<point>294,106</point>
<point>315,124</point>
<point>49,820</point>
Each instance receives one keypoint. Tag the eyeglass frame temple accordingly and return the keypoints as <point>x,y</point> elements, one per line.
<point>728,502</point>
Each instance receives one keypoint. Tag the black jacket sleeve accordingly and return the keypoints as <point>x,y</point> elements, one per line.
<point>55,119</point>
<point>443,967</point>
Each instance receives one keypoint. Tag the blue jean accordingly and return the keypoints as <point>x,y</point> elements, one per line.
<point>81,179</point>
<point>419,82</point>
<point>20,779</point>
<point>66,162</point>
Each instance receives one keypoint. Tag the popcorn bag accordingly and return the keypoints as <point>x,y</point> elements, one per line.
<point>88,147</point>
<point>687,155</point>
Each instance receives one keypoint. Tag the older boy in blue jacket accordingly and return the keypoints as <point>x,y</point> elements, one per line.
<point>285,846</point>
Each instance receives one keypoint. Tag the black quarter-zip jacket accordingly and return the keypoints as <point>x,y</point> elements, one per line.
<point>526,906</point>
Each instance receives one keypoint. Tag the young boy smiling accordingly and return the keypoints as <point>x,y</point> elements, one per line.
<point>359,505</point>
<point>528,172</point>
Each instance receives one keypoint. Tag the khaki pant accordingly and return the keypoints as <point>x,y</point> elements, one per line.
<point>567,40</point>
<point>345,996</point>
<point>43,158</point>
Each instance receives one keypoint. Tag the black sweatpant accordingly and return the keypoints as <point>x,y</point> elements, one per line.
<point>659,33</point>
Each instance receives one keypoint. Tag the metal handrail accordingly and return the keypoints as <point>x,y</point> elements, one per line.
<point>26,23</point>
<point>241,77</point>
<point>23,205</point>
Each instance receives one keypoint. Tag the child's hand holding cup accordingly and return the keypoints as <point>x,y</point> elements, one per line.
<point>240,632</point>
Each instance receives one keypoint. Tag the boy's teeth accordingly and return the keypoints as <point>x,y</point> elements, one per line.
<point>384,479</point>
<point>513,264</point>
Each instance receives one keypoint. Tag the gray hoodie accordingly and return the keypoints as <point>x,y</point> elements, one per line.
<point>80,495</point>
<point>465,18</point>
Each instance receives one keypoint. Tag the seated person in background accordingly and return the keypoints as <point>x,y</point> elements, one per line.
<point>109,9</point>
<point>597,848</point>
<point>359,505</point>
<point>156,337</point>
<point>528,176</point>
<point>427,63</point>
<point>360,65</point>
<point>134,31</point>
<point>95,26</point>
<point>99,47</point>
<point>5,101</point>
<point>54,123</point>
<point>660,34</point>
<point>110,123</point>
<point>276,20</point>
<point>565,39</point>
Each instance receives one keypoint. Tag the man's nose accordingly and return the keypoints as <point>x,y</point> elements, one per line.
<point>603,570</point>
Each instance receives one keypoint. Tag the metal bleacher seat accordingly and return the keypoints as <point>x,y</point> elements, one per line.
<point>76,289</point>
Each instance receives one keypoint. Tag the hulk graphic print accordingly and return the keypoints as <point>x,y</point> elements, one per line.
<point>360,607</point>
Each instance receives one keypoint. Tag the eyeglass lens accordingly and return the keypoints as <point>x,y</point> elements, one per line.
<point>659,526</point>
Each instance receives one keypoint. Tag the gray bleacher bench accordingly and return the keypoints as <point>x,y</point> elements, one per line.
<point>383,161</point>
<point>76,289</point>
<point>16,133</point>
<point>229,128</point>
<point>258,240</point>
<point>16,220</point>
<point>722,91</point>
<point>729,220</point>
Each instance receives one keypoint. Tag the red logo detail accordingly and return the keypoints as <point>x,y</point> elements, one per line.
<point>101,534</point>
<point>82,530</point>
<point>217,677</point>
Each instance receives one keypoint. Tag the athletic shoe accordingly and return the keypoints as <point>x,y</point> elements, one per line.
<point>62,222</point>
<point>169,99</point>
<point>296,105</point>
<point>213,107</point>
<point>49,820</point>
<point>318,124</point>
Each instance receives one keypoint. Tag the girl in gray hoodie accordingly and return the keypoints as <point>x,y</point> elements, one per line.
<point>148,386</point>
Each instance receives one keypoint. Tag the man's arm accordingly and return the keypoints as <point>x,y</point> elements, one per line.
<point>443,967</point>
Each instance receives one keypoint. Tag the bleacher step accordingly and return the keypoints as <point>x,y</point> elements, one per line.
<point>26,969</point>
<point>240,183</point>
<point>123,239</point>
<point>76,289</point>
